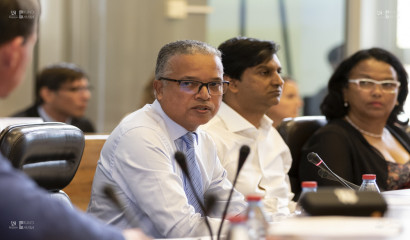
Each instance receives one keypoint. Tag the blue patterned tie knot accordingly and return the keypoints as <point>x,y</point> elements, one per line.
<point>189,140</point>
<point>194,173</point>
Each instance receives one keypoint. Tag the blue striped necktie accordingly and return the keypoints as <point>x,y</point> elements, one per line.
<point>194,173</point>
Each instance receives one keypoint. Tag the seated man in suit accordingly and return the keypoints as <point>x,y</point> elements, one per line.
<point>138,157</point>
<point>62,95</point>
<point>253,70</point>
<point>26,211</point>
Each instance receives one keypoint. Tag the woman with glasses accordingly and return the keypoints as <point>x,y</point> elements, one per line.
<point>363,135</point>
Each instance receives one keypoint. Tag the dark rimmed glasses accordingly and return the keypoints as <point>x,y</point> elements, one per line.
<point>367,84</point>
<point>193,87</point>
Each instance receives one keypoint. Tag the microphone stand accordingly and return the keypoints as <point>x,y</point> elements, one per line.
<point>109,192</point>
<point>318,162</point>
<point>325,174</point>
<point>243,154</point>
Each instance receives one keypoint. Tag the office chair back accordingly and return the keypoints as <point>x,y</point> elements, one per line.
<point>49,153</point>
<point>295,132</point>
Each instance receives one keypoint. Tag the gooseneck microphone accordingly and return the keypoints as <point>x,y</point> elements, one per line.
<point>210,201</point>
<point>181,160</point>
<point>243,154</point>
<point>325,174</point>
<point>318,162</point>
<point>109,192</point>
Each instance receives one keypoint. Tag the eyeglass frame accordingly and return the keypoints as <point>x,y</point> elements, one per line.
<point>357,82</point>
<point>224,89</point>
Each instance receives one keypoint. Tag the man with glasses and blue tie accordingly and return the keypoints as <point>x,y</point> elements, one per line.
<point>138,157</point>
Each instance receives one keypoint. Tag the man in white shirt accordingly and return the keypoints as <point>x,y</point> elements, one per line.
<point>253,70</point>
<point>138,157</point>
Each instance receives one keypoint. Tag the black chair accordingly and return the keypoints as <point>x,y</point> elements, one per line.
<point>295,132</point>
<point>407,130</point>
<point>49,153</point>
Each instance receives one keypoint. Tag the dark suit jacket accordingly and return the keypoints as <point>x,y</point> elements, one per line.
<point>82,123</point>
<point>28,212</point>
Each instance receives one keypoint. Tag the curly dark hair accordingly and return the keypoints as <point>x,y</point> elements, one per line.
<point>332,106</point>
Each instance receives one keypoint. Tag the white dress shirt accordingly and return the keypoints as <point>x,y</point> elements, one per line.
<point>138,161</point>
<point>265,170</point>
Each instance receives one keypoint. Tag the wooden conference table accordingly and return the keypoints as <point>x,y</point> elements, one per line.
<point>79,189</point>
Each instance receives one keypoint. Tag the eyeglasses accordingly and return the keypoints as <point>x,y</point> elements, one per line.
<point>366,84</point>
<point>77,89</point>
<point>193,87</point>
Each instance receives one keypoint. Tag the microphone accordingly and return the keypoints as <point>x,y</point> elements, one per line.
<point>109,192</point>
<point>181,160</point>
<point>243,154</point>
<point>210,201</point>
<point>318,162</point>
<point>325,174</point>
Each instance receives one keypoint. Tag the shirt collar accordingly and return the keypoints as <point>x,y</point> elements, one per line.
<point>174,129</point>
<point>48,118</point>
<point>227,114</point>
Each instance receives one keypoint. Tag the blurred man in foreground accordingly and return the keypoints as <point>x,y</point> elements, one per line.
<point>22,202</point>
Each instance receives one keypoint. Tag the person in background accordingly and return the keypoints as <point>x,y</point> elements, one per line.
<point>22,201</point>
<point>138,157</point>
<point>148,96</point>
<point>289,105</point>
<point>367,92</point>
<point>312,103</point>
<point>253,71</point>
<point>62,95</point>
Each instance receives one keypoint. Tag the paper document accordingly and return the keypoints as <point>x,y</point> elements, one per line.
<point>337,226</point>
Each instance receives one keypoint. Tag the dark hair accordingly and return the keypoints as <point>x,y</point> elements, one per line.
<point>181,47</point>
<point>53,76</point>
<point>332,106</point>
<point>18,18</point>
<point>240,53</point>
